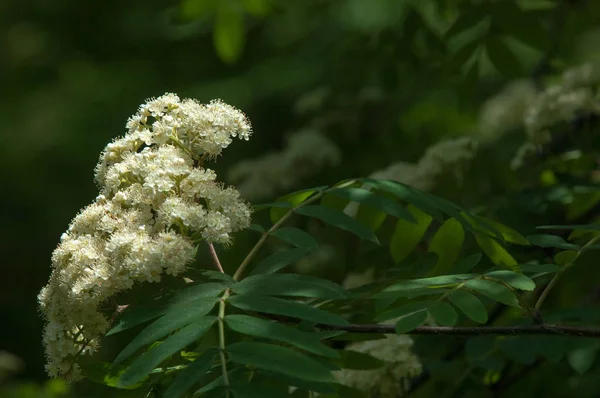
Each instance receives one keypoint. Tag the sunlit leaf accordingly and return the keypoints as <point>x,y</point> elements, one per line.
<point>229,32</point>
<point>496,252</point>
<point>408,235</point>
<point>447,243</point>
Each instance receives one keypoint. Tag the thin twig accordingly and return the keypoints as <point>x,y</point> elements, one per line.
<point>545,329</point>
<point>215,258</point>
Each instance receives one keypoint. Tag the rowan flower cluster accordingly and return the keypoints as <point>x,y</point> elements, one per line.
<point>156,203</point>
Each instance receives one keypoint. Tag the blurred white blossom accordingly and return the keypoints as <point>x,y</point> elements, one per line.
<point>307,152</point>
<point>390,380</point>
<point>444,157</point>
<point>156,203</point>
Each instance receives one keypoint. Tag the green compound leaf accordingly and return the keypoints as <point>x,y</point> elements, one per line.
<point>470,305</point>
<point>496,252</point>
<point>294,199</point>
<point>447,243</point>
<point>276,331</point>
<point>373,200</point>
<point>277,261</point>
<point>134,316</point>
<point>496,229</point>
<point>338,219</point>
<point>145,363</point>
<point>408,234</point>
<point>191,375</point>
<point>290,285</point>
<point>410,322</point>
<point>443,313</point>
<point>296,237</point>
<point>176,318</point>
<point>408,194</point>
<point>277,306</point>
<point>280,360</point>
<point>518,281</point>
<point>493,290</point>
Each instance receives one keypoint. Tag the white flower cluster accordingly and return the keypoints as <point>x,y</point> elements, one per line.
<point>306,153</point>
<point>520,105</point>
<point>505,111</point>
<point>156,203</point>
<point>437,161</point>
<point>390,380</point>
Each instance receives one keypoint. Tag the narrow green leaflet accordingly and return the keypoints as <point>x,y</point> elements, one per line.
<point>497,229</point>
<point>404,310</point>
<point>277,261</point>
<point>290,285</point>
<point>518,281</point>
<point>296,237</point>
<point>401,288</point>
<point>534,268</point>
<point>410,322</point>
<point>443,313</point>
<point>373,200</point>
<point>496,252</point>
<point>338,219</point>
<point>277,331</point>
<point>294,199</point>
<point>145,363</point>
<point>469,304</point>
<point>543,240</point>
<point>277,306</point>
<point>176,318</point>
<point>566,257</point>
<point>134,316</point>
<point>411,195</point>
<point>408,235</point>
<point>493,290</point>
<point>359,361</point>
<point>587,227</point>
<point>467,264</point>
<point>192,374</point>
<point>447,243</point>
<point>262,206</point>
<point>280,360</point>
